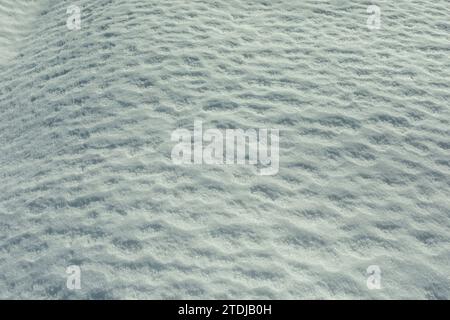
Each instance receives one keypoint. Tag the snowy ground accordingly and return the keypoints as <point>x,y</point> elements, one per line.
<point>87,179</point>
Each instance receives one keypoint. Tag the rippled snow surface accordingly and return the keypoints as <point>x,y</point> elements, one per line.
<point>86,176</point>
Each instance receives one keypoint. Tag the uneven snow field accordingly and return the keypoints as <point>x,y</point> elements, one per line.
<point>15,16</point>
<point>87,179</point>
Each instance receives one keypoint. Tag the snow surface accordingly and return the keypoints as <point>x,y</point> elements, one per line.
<point>86,175</point>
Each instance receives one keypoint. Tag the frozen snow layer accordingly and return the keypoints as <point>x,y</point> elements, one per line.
<point>86,176</point>
<point>16,20</point>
